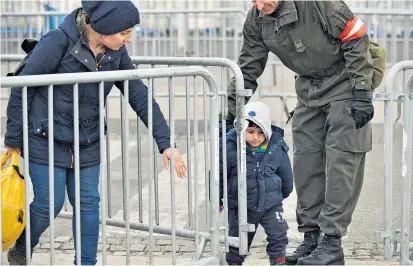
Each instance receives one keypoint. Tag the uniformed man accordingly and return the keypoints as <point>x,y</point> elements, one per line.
<point>327,46</point>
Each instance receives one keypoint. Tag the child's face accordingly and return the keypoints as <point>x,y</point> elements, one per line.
<point>254,136</point>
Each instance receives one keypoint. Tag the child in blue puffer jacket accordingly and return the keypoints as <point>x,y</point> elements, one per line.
<point>269,182</point>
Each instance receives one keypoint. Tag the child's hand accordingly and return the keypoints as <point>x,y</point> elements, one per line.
<point>221,208</point>
<point>180,165</point>
<point>10,150</point>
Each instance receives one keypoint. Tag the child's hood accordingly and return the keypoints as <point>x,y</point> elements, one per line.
<point>260,114</point>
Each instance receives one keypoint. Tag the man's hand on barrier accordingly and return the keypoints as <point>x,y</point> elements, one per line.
<point>362,107</point>
<point>10,150</point>
<point>180,165</point>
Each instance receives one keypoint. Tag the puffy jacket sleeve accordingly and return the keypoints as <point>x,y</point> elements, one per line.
<point>284,171</point>
<point>252,59</point>
<point>138,99</point>
<point>338,20</point>
<point>44,59</point>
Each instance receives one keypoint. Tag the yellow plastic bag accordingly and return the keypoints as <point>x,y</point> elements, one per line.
<point>12,200</point>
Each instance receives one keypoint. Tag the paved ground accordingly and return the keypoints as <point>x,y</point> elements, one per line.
<point>361,245</point>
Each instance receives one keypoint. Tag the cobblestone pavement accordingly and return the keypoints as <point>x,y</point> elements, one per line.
<point>356,253</point>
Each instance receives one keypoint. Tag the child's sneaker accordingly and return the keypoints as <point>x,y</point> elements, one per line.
<point>277,261</point>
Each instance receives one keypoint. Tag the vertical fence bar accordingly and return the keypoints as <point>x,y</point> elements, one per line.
<point>388,173</point>
<point>154,43</point>
<point>109,189</point>
<point>77,171</point>
<point>406,48</point>
<point>188,149</point>
<point>151,170</point>
<point>51,172</point>
<point>155,163</point>
<point>242,172</point>
<point>214,160</point>
<point>145,42</point>
<point>172,167</point>
<point>125,166</point>
<point>236,48</point>
<point>406,173</point>
<point>26,172</point>
<point>102,166</point>
<point>140,181</point>
<point>197,42</point>
<point>196,174</point>
<point>224,36</point>
<point>206,146</point>
<point>224,171</point>
<point>171,34</point>
<point>393,42</point>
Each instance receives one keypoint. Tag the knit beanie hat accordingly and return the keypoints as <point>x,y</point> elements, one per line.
<point>110,17</point>
<point>260,114</point>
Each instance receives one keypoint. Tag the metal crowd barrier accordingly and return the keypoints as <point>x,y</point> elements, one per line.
<point>224,64</point>
<point>390,236</point>
<point>200,32</point>
<point>211,99</point>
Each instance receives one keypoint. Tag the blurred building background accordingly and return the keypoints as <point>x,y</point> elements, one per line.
<point>211,28</point>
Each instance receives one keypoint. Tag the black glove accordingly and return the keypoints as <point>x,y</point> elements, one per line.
<point>362,107</point>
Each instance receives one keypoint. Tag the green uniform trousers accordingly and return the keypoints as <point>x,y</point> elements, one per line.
<point>328,164</point>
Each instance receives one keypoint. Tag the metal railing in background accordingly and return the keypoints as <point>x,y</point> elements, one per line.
<point>212,100</point>
<point>218,33</point>
<point>392,237</point>
<point>206,32</point>
<point>392,29</point>
<point>201,32</point>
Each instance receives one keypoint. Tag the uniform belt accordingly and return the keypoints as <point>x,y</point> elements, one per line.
<point>330,71</point>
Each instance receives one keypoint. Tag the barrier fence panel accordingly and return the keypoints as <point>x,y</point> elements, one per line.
<point>212,100</point>
<point>390,236</point>
<point>241,93</point>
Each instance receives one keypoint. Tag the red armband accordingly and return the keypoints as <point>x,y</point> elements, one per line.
<point>354,29</point>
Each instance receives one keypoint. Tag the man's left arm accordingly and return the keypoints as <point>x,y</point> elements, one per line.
<point>342,24</point>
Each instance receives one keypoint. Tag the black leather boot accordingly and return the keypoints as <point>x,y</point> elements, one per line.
<point>310,242</point>
<point>329,252</point>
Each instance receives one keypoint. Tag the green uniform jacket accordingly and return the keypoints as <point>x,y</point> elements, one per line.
<point>305,35</point>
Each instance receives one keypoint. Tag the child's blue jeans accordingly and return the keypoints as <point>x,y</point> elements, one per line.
<point>275,227</point>
<point>89,206</point>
